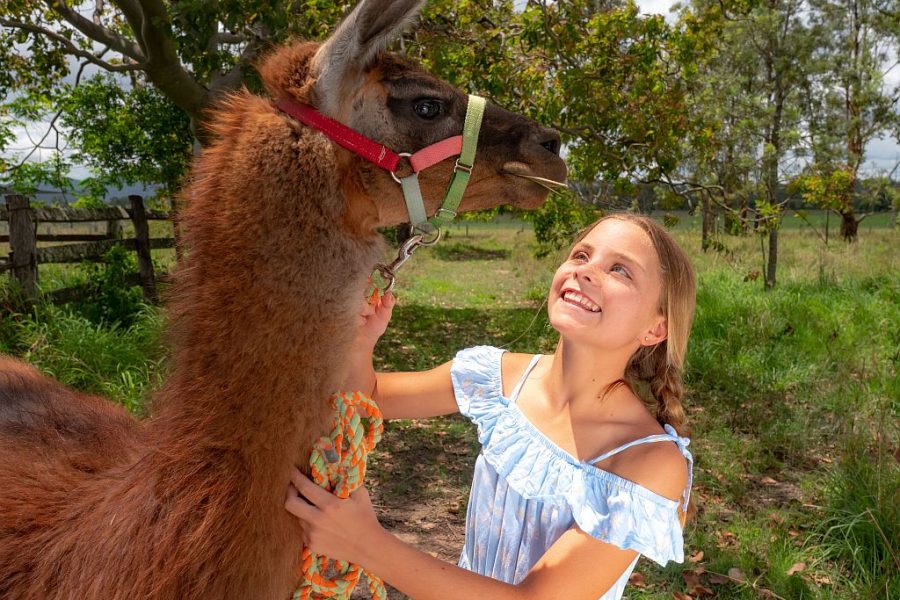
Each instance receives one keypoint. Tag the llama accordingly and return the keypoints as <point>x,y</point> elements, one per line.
<point>279,237</point>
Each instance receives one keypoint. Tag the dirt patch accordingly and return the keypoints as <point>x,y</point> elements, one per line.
<point>419,481</point>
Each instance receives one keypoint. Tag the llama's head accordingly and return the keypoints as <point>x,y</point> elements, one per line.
<point>395,102</point>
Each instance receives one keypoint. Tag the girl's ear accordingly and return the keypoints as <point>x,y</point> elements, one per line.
<point>343,59</point>
<point>658,333</point>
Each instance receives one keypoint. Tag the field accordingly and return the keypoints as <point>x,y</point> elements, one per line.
<point>792,398</point>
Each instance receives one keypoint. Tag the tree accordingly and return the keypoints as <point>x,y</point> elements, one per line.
<point>191,50</point>
<point>848,104</point>
<point>127,136</point>
<point>182,54</point>
<point>614,82</point>
<point>721,157</point>
<point>758,75</point>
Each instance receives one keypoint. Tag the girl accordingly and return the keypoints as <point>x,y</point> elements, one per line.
<point>576,477</point>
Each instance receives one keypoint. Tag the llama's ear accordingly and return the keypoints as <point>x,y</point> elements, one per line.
<point>344,57</point>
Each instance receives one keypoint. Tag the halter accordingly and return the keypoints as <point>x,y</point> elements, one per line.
<point>463,146</point>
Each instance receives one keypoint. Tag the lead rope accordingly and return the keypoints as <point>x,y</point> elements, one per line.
<point>338,464</point>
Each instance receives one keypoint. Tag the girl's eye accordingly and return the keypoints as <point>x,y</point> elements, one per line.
<point>621,269</point>
<point>427,109</point>
<point>580,256</point>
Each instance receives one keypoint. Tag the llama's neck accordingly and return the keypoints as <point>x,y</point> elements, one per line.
<point>268,297</point>
<point>265,304</point>
<point>260,341</point>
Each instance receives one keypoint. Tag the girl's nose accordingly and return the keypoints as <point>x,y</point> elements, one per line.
<point>585,272</point>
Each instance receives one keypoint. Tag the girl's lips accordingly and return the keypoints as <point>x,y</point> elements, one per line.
<point>576,298</point>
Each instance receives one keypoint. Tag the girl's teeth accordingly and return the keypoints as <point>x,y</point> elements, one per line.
<point>581,301</point>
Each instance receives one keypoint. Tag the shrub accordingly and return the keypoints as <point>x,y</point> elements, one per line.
<point>111,296</point>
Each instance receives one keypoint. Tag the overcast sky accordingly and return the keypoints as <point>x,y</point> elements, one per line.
<point>881,154</point>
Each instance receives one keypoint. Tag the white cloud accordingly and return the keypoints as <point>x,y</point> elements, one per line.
<point>656,7</point>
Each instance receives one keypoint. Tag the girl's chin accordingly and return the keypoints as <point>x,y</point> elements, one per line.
<point>566,313</point>
<point>572,326</point>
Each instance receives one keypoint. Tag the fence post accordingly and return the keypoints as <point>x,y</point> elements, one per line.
<point>142,247</point>
<point>114,229</point>
<point>22,243</point>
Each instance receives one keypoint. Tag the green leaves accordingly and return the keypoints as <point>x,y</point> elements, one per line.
<point>128,136</point>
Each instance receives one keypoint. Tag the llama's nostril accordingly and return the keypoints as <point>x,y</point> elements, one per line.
<point>551,142</point>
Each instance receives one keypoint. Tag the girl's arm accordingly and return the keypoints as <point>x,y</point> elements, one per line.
<point>398,395</point>
<point>576,566</point>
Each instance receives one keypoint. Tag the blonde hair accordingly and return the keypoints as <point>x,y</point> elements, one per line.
<point>661,366</point>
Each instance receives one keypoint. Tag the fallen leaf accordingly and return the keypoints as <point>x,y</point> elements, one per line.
<point>822,579</point>
<point>736,574</point>
<point>701,590</point>
<point>796,568</point>
<point>691,578</point>
<point>681,596</point>
<point>717,579</point>
<point>637,580</point>
<point>768,481</point>
<point>696,557</point>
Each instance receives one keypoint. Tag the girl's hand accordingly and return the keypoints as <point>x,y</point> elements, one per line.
<point>339,529</point>
<point>374,319</point>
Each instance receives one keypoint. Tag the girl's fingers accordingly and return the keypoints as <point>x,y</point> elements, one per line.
<point>297,506</point>
<point>361,493</point>
<point>309,490</point>
<point>368,310</point>
<point>387,303</point>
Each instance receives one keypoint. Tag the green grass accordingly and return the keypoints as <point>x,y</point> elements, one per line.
<point>117,362</point>
<point>779,383</point>
<point>792,395</point>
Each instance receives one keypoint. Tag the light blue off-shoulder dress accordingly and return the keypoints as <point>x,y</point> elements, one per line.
<point>527,491</point>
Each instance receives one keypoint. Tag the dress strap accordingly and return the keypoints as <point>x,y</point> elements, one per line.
<point>669,436</point>
<point>515,393</point>
<point>657,437</point>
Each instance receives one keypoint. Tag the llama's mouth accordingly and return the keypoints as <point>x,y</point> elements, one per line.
<point>518,169</point>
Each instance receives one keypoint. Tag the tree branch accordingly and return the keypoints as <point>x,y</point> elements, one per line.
<point>159,45</point>
<point>38,145</point>
<point>232,79</point>
<point>96,32</point>
<point>150,22</point>
<point>69,47</point>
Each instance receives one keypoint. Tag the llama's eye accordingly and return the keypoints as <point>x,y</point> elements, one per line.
<point>427,109</point>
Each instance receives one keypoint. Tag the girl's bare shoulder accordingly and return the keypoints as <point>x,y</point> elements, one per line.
<point>512,366</point>
<point>658,466</point>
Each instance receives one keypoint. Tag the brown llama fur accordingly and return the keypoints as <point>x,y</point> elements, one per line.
<point>279,241</point>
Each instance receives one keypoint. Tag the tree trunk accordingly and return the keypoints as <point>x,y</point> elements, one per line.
<point>770,169</point>
<point>772,263</point>
<point>849,226</point>
<point>708,222</point>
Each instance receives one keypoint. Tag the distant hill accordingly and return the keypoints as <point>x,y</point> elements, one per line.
<point>114,196</point>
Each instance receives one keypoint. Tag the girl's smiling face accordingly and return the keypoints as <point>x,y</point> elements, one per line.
<point>607,291</point>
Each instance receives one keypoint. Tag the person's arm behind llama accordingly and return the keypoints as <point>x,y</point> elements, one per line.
<point>398,395</point>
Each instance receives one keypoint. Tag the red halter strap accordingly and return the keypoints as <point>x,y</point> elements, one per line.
<point>362,146</point>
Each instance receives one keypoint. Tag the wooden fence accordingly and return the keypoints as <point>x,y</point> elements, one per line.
<point>25,255</point>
